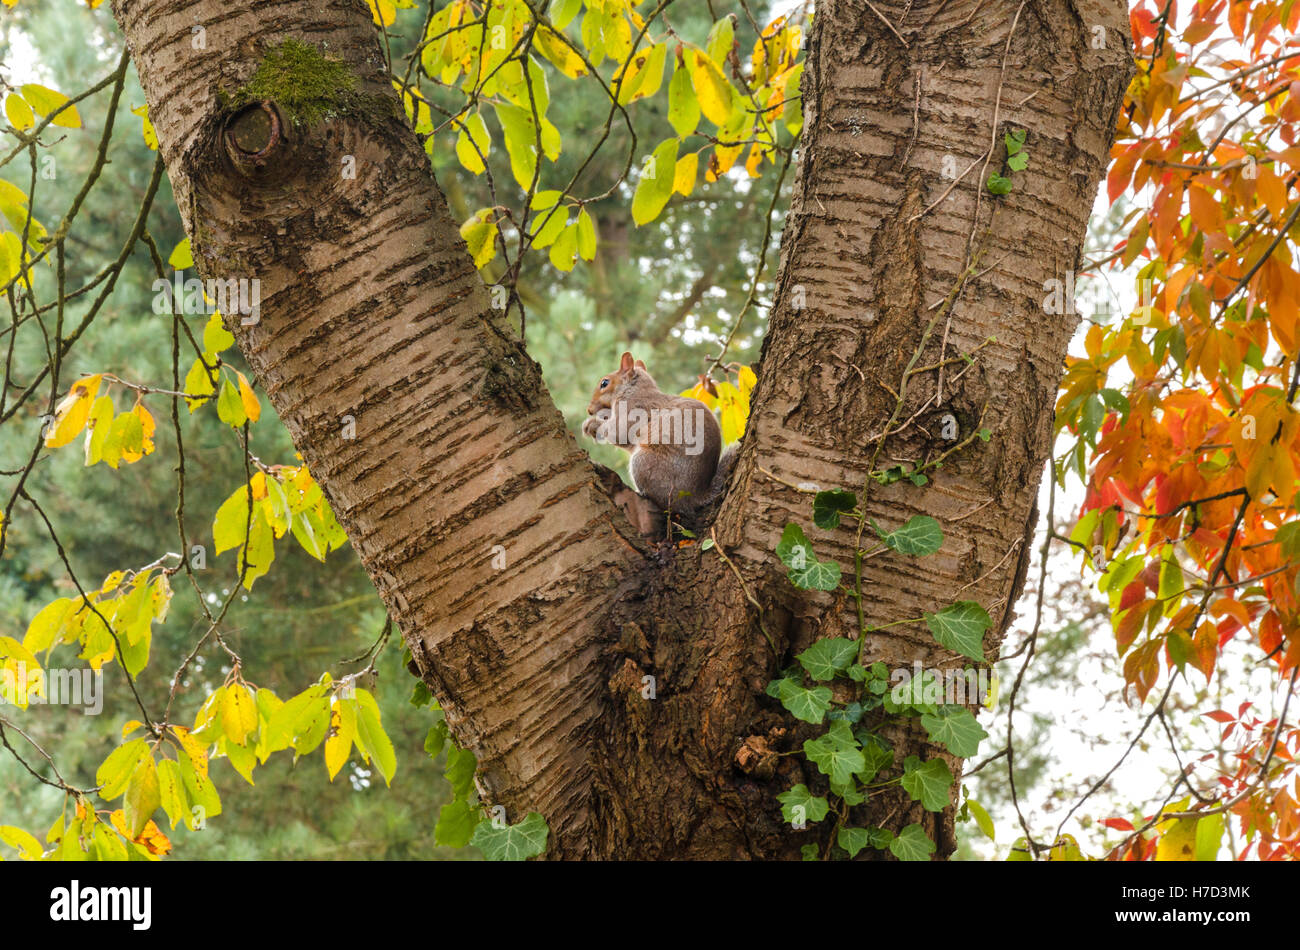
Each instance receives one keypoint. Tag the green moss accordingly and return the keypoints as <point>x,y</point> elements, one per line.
<point>305,84</point>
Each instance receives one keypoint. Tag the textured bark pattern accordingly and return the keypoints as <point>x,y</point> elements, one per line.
<point>871,270</point>
<point>371,309</point>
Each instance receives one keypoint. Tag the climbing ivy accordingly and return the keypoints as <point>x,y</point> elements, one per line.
<point>833,685</point>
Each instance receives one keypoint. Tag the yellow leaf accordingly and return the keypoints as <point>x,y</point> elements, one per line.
<point>29,849</point>
<point>747,381</point>
<point>700,391</point>
<point>480,237</point>
<point>180,257</point>
<point>238,713</point>
<point>47,101</point>
<point>252,408</point>
<point>343,731</point>
<point>684,175</point>
<point>1177,840</point>
<point>146,127</point>
<point>734,412</point>
<point>712,89</point>
<point>383,12</point>
<point>71,414</point>
<point>560,53</point>
<point>18,112</point>
<point>147,427</point>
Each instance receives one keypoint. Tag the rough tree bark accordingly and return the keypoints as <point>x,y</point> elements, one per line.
<point>371,309</point>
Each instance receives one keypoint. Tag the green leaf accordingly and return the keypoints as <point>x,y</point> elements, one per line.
<point>520,135</point>
<point>912,844</point>
<point>853,840</point>
<point>586,236</point>
<point>829,505</point>
<point>546,227</point>
<point>928,783</point>
<point>215,335</point>
<point>48,624</point>
<point>836,754</point>
<point>565,248</point>
<point>720,40</point>
<point>456,823</point>
<point>655,186</point>
<point>796,553</point>
<point>512,842</point>
<point>683,105</point>
<point>116,770</point>
<point>876,755</point>
<point>230,408</point>
<point>815,807</point>
<point>142,796</point>
<point>373,738</point>
<point>198,384</point>
<point>809,705</point>
<point>436,739</point>
<point>956,729</point>
<point>171,791</point>
<point>473,132</point>
<point>563,12</point>
<point>921,535</point>
<point>459,771</point>
<point>998,185</point>
<point>827,657</point>
<point>982,819</point>
<point>960,627</point>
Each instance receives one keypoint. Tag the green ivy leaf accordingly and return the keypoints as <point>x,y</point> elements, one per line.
<point>836,754</point>
<point>512,842</point>
<point>814,807</point>
<point>912,844</point>
<point>960,627</point>
<point>876,755</point>
<point>827,657</point>
<point>853,840</point>
<point>829,505</point>
<point>809,705</point>
<point>928,782</point>
<point>920,536</point>
<point>805,571</point>
<point>457,821</point>
<point>998,185</point>
<point>461,764</point>
<point>956,729</point>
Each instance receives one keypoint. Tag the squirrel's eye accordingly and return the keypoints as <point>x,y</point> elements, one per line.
<point>604,382</point>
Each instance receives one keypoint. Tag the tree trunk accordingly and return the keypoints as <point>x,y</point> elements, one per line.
<point>372,313</point>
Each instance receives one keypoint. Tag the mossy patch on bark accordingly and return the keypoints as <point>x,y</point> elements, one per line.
<point>300,79</point>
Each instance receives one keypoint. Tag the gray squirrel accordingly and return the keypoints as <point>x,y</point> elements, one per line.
<point>674,442</point>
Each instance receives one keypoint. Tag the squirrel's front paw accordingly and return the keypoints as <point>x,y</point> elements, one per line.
<point>592,427</point>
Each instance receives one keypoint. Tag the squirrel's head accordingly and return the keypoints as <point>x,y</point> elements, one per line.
<point>608,387</point>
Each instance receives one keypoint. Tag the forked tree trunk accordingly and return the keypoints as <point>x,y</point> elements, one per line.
<point>371,309</point>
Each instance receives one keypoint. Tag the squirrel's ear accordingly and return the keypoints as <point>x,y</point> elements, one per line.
<point>640,364</point>
<point>626,364</point>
